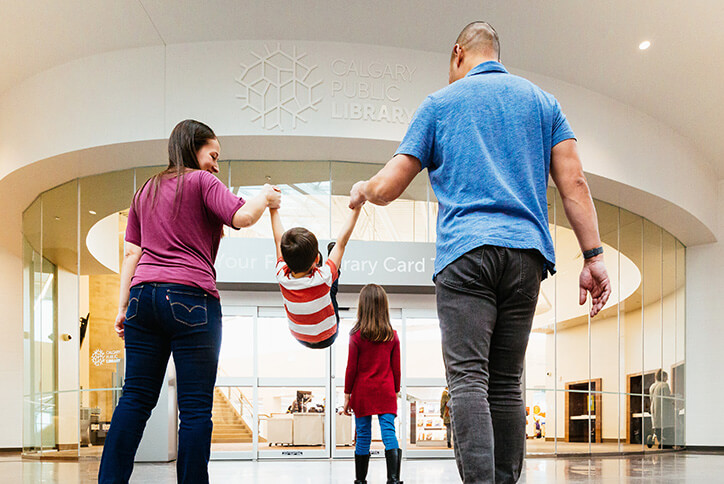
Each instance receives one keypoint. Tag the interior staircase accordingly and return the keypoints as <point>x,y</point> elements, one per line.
<point>229,427</point>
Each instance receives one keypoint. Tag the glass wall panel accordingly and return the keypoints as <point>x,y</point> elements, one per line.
<point>424,354</point>
<point>32,307</point>
<point>668,339</point>
<point>571,341</point>
<point>236,357</point>
<point>95,422</point>
<point>588,381</point>
<point>631,334</point>
<point>233,417</point>
<point>282,356</point>
<point>426,410</point>
<point>344,434</point>
<point>539,421</point>
<point>104,203</point>
<point>60,248</point>
<point>403,220</point>
<point>652,316</point>
<point>305,193</point>
<point>540,374</point>
<point>291,417</point>
<point>604,330</point>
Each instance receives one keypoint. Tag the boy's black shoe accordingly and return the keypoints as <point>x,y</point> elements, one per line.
<point>361,463</point>
<point>330,246</point>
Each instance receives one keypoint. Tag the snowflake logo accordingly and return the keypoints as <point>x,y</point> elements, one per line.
<point>98,357</point>
<point>278,88</point>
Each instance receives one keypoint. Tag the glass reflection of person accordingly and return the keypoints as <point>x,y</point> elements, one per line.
<point>662,410</point>
<point>169,302</point>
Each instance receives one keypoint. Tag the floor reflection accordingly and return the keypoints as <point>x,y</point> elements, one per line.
<point>658,467</point>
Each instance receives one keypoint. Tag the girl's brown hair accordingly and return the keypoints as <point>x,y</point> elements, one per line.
<point>373,315</point>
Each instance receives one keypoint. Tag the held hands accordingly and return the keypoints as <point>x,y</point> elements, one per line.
<point>120,319</point>
<point>594,279</point>
<point>357,196</point>
<point>273,196</point>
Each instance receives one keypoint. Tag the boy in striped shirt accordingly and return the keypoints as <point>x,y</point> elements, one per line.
<point>305,287</point>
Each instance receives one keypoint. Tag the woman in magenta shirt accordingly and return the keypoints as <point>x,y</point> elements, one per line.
<point>168,300</point>
<point>372,381</point>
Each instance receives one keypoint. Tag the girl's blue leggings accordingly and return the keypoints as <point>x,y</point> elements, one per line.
<point>364,433</point>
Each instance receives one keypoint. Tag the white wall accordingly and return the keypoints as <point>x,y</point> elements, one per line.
<point>705,338</point>
<point>140,94</point>
<point>11,350</point>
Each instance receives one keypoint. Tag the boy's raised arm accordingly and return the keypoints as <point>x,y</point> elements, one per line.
<point>344,235</point>
<point>277,230</point>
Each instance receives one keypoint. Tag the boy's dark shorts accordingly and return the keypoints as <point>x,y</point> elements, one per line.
<point>322,344</point>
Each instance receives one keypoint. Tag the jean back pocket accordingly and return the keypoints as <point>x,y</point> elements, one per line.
<point>188,308</point>
<point>134,295</point>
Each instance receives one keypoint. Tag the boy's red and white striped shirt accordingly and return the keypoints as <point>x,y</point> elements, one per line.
<point>307,301</point>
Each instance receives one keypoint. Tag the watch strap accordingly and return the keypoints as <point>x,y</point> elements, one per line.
<point>587,254</point>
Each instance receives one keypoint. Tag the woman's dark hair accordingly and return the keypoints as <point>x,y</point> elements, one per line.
<point>373,315</point>
<point>186,139</point>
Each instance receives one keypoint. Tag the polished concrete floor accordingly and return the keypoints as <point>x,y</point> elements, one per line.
<point>659,468</point>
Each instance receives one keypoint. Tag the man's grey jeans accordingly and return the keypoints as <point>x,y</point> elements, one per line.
<point>486,300</point>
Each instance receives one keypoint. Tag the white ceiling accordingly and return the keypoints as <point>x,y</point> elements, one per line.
<point>591,44</point>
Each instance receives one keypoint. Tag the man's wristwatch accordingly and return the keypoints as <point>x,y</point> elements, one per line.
<point>587,254</point>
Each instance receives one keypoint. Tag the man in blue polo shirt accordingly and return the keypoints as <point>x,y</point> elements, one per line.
<point>489,141</point>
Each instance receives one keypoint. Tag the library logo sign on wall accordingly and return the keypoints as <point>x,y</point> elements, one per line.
<point>100,357</point>
<point>279,87</point>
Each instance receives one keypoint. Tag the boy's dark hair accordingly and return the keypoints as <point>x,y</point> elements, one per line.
<point>299,249</point>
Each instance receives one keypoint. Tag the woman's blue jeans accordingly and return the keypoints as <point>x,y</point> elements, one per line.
<point>163,319</point>
<point>364,433</point>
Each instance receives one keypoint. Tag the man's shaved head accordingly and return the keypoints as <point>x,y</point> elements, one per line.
<point>480,37</point>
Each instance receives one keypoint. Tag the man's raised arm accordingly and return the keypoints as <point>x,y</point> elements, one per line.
<point>387,184</point>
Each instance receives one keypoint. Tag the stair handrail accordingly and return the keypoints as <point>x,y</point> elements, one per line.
<point>239,402</point>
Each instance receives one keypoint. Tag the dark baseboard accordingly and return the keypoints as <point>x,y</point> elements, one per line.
<point>705,449</point>
<point>605,441</point>
<point>10,450</point>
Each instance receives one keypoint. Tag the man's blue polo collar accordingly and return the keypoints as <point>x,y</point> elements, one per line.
<point>485,67</point>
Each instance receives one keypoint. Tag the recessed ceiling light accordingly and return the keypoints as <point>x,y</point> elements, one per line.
<point>92,212</point>
<point>644,45</point>
<point>56,217</point>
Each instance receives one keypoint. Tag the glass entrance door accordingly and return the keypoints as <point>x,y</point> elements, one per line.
<point>235,434</point>
<point>424,386</point>
<point>294,392</point>
<point>276,399</point>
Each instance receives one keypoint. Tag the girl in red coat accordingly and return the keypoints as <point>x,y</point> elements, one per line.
<point>372,381</point>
